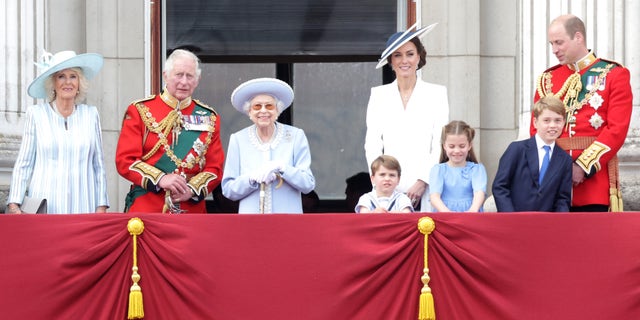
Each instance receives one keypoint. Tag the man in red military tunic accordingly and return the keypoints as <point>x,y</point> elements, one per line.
<point>598,101</point>
<point>169,146</point>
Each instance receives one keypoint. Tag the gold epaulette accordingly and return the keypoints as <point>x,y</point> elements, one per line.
<point>200,103</point>
<point>151,97</point>
<point>543,83</point>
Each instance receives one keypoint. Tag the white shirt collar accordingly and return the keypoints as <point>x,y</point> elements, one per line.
<point>540,143</point>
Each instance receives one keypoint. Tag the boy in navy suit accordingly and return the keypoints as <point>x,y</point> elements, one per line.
<point>535,174</point>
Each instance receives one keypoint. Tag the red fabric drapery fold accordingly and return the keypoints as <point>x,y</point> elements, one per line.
<point>322,266</point>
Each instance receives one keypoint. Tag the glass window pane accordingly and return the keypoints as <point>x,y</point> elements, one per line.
<point>307,28</point>
<point>330,105</point>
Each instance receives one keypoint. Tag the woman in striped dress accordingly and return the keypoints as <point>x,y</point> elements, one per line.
<point>61,157</point>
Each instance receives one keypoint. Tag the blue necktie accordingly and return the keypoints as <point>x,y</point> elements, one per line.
<point>545,164</point>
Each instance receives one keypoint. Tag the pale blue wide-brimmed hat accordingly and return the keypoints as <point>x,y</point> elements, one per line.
<point>398,39</point>
<point>269,86</point>
<point>90,63</point>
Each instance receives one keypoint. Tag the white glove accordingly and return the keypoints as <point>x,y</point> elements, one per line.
<point>256,176</point>
<point>273,166</point>
<point>269,171</point>
<point>269,177</point>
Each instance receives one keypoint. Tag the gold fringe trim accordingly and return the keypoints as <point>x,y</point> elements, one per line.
<point>427,310</point>
<point>136,308</point>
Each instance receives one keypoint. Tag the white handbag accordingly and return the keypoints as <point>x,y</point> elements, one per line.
<point>34,205</point>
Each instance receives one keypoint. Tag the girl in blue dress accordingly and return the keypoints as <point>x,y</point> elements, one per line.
<point>458,183</point>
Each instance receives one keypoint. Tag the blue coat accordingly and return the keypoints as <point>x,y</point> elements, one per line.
<point>516,186</point>
<point>246,154</point>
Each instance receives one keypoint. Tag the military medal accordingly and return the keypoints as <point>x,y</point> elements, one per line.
<point>596,101</point>
<point>596,121</point>
<point>196,123</point>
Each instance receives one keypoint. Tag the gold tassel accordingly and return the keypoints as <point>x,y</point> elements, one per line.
<point>615,200</point>
<point>620,203</point>
<point>427,309</point>
<point>136,308</point>
<point>167,199</point>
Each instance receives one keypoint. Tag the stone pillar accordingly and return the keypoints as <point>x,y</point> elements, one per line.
<point>629,156</point>
<point>23,40</point>
<point>116,30</point>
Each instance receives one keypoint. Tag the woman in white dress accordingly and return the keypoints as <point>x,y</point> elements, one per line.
<point>268,164</point>
<point>405,117</point>
<point>61,157</point>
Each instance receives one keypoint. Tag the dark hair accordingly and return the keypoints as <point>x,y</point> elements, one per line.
<point>422,52</point>
<point>457,127</point>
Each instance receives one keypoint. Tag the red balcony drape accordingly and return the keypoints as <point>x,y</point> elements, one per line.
<point>322,266</point>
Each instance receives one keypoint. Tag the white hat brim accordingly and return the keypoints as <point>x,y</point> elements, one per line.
<point>404,38</point>
<point>90,63</point>
<point>269,86</point>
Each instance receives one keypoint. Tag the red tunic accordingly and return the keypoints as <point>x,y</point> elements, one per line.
<point>137,161</point>
<point>603,113</point>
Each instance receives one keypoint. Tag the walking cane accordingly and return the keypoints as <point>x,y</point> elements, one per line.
<point>262,186</point>
<point>262,191</point>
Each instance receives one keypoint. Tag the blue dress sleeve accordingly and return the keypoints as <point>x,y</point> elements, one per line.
<point>479,178</point>
<point>436,179</point>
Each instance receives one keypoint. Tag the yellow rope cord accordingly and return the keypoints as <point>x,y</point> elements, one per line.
<point>427,310</point>
<point>136,308</point>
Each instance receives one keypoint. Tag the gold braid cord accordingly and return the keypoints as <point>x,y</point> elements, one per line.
<point>570,91</point>
<point>615,195</point>
<point>164,127</point>
<point>136,308</point>
<point>161,128</point>
<point>427,310</point>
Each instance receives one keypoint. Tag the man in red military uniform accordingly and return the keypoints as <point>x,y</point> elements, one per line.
<point>169,146</point>
<point>598,100</point>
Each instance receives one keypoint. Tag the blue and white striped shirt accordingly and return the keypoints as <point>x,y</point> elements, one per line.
<point>61,160</point>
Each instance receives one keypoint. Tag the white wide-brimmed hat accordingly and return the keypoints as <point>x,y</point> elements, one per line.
<point>90,63</point>
<point>398,39</point>
<point>269,86</point>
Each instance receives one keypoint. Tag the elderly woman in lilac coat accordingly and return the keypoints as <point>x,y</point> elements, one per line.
<point>268,164</point>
